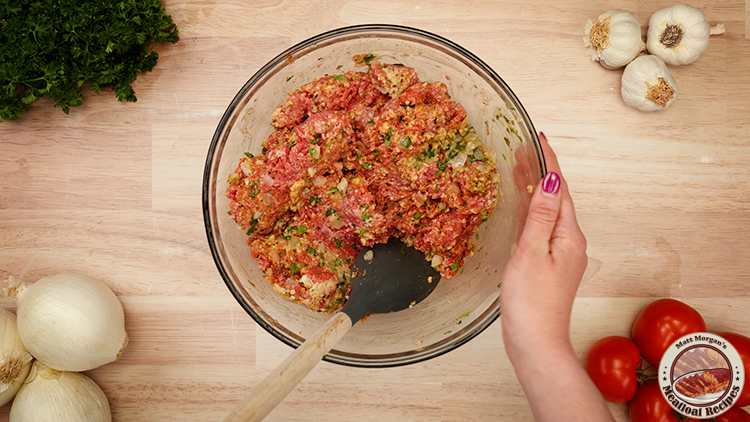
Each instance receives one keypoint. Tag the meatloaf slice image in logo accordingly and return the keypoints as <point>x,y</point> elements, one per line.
<point>701,375</point>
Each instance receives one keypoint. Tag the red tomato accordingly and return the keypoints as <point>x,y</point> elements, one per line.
<point>649,405</point>
<point>612,364</point>
<point>742,344</point>
<point>660,324</point>
<point>734,414</point>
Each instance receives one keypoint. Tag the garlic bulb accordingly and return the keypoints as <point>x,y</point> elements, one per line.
<point>614,40</point>
<point>15,361</point>
<point>679,34</point>
<point>70,322</point>
<point>647,84</point>
<point>49,395</point>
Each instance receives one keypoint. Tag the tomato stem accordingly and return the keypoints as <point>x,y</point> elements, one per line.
<point>642,376</point>
<point>681,417</point>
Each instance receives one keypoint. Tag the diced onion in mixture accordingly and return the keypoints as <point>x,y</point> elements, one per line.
<point>336,223</point>
<point>343,184</point>
<point>436,260</point>
<point>458,160</point>
<point>245,168</point>
<point>315,152</point>
<point>478,154</point>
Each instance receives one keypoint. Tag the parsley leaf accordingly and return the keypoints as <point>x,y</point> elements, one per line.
<point>56,47</point>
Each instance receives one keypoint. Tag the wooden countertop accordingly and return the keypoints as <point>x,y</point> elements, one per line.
<point>114,190</point>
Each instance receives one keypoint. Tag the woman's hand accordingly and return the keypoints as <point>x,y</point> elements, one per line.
<point>542,277</point>
<point>536,297</point>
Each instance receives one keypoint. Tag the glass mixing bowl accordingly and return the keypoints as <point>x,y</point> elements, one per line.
<point>460,308</point>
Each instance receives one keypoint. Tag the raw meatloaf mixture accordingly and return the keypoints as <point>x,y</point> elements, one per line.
<point>354,159</point>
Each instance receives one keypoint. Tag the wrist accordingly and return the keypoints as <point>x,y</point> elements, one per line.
<point>536,347</point>
<point>533,360</point>
<point>534,334</point>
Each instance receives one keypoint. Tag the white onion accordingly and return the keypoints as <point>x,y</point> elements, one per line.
<point>71,322</point>
<point>49,395</point>
<point>336,223</point>
<point>436,260</point>
<point>478,155</point>
<point>291,282</point>
<point>458,160</point>
<point>15,360</point>
<point>315,152</point>
<point>319,181</point>
<point>343,184</point>
<point>245,168</point>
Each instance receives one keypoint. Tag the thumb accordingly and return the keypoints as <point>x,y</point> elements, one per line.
<point>544,210</point>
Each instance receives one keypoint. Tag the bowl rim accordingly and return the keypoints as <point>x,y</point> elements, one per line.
<point>289,54</point>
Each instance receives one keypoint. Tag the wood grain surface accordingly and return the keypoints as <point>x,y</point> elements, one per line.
<point>113,190</point>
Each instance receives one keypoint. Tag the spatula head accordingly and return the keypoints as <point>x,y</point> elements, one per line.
<point>389,277</point>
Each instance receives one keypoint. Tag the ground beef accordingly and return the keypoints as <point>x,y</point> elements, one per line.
<point>355,159</point>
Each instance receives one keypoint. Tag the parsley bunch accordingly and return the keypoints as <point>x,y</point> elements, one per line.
<point>56,47</point>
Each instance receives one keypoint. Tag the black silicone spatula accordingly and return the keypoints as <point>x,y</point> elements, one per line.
<point>387,278</point>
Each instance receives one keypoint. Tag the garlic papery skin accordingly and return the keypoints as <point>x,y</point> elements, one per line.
<point>614,40</point>
<point>679,35</point>
<point>71,322</point>
<point>647,84</point>
<point>49,395</point>
<point>15,360</point>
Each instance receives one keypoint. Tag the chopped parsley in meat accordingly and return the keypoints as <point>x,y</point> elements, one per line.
<point>355,159</point>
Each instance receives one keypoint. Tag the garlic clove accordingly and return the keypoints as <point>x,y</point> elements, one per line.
<point>71,322</point>
<point>614,40</point>
<point>51,395</point>
<point>679,34</point>
<point>648,85</point>
<point>15,361</point>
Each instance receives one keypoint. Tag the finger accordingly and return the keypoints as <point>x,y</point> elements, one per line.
<point>566,231</point>
<point>550,158</point>
<point>568,216</point>
<point>544,210</point>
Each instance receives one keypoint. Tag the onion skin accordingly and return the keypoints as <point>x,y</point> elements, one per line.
<point>50,396</point>
<point>71,322</point>
<point>15,360</point>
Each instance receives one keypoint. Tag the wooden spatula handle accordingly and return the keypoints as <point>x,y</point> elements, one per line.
<point>279,383</point>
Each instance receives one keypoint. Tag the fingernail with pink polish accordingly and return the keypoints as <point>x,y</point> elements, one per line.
<point>551,183</point>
